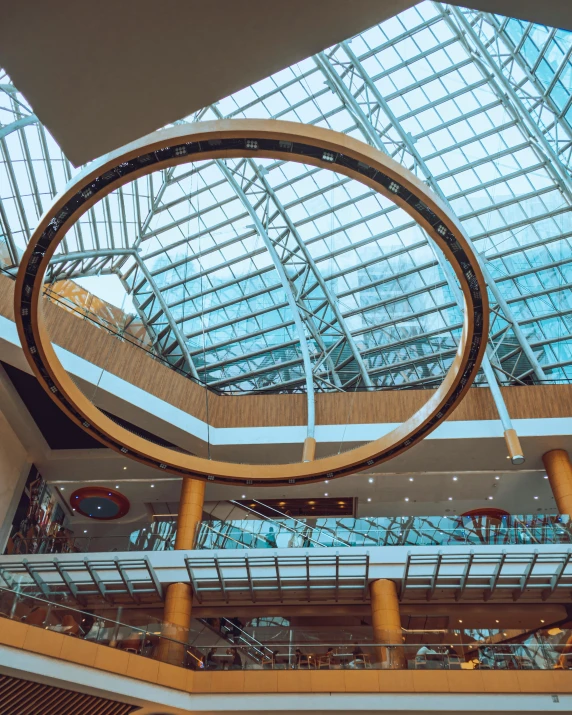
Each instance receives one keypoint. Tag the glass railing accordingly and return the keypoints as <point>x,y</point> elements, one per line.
<point>160,641</point>
<point>277,533</point>
<point>236,650</point>
<point>384,531</point>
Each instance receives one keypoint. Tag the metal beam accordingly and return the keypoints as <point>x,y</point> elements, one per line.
<point>179,337</point>
<point>405,137</point>
<point>288,289</point>
<point>18,124</point>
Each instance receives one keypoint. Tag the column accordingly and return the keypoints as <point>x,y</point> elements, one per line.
<point>179,596</point>
<point>386,623</point>
<point>559,471</point>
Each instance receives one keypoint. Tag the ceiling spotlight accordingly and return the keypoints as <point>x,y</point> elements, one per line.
<point>85,531</point>
<point>546,476</point>
<point>455,479</point>
<point>406,498</point>
<point>450,498</point>
<point>542,620</point>
<point>124,467</point>
<point>497,477</point>
<point>327,482</point>
<point>460,621</point>
<point>410,479</point>
<point>490,498</point>
<point>152,486</point>
<point>370,480</point>
<point>536,497</point>
<point>117,486</point>
<point>144,529</point>
<point>369,498</point>
<point>99,507</point>
<point>496,621</point>
<point>325,494</point>
<point>61,489</point>
<point>243,496</point>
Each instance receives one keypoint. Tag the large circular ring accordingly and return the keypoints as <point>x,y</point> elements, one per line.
<point>235,139</point>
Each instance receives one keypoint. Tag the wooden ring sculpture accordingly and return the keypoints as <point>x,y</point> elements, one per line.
<point>239,138</point>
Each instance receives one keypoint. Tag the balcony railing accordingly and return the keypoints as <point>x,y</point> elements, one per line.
<point>233,654</point>
<point>262,533</point>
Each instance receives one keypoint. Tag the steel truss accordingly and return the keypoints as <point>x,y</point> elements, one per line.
<point>315,340</point>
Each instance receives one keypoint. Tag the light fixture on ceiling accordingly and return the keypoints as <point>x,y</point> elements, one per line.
<point>410,479</point>
<point>124,467</point>
<point>327,481</point>
<point>152,486</point>
<point>325,494</point>
<point>546,476</point>
<point>455,479</point>
<point>460,621</point>
<point>406,498</point>
<point>497,621</point>
<point>450,498</point>
<point>370,480</point>
<point>243,496</point>
<point>536,497</point>
<point>85,531</point>
<point>490,498</point>
<point>117,486</point>
<point>369,498</point>
<point>542,620</point>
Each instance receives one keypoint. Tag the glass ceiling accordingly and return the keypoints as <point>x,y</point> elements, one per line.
<point>478,106</point>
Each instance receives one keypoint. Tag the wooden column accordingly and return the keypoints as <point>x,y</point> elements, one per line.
<point>179,596</point>
<point>386,623</point>
<point>559,471</point>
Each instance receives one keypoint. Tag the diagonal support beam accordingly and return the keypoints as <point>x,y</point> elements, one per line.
<point>287,286</point>
<point>371,134</point>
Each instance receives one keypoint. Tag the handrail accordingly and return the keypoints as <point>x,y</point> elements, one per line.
<point>266,506</point>
<point>264,518</point>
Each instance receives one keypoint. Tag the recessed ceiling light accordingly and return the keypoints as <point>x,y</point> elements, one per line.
<point>410,479</point>
<point>369,498</point>
<point>496,621</point>
<point>327,482</point>
<point>144,529</point>
<point>546,476</point>
<point>124,467</point>
<point>542,620</point>
<point>370,480</point>
<point>85,531</point>
<point>450,498</point>
<point>152,486</point>
<point>406,498</point>
<point>460,621</point>
<point>497,477</point>
<point>99,507</point>
<point>325,494</point>
<point>243,496</point>
<point>455,479</point>
<point>61,489</point>
<point>536,497</point>
<point>117,486</point>
<point>491,498</point>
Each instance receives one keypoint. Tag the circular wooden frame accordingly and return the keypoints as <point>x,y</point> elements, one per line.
<point>240,138</point>
<point>120,500</point>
